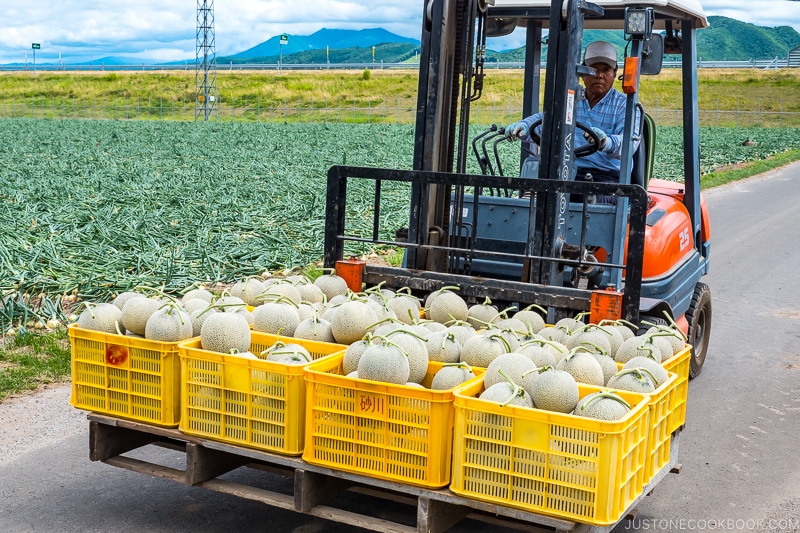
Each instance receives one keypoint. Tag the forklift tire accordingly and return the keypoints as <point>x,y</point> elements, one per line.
<point>699,317</point>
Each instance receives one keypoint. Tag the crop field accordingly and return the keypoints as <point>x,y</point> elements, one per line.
<point>90,208</point>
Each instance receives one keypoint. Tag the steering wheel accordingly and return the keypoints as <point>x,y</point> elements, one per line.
<point>583,151</point>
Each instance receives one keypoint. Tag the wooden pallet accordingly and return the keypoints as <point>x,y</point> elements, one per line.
<point>207,460</point>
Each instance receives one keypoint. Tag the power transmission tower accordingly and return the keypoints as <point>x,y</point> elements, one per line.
<point>205,102</point>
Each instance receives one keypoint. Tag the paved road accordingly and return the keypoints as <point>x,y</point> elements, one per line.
<point>743,416</point>
<point>739,447</point>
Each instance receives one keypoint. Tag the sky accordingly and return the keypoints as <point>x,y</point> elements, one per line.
<point>159,30</point>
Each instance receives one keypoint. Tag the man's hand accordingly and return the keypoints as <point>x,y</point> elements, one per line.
<point>516,130</point>
<point>600,135</point>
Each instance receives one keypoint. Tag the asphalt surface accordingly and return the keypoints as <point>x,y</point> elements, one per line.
<point>738,450</point>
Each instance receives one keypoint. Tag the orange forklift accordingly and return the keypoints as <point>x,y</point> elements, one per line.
<point>529,233</point>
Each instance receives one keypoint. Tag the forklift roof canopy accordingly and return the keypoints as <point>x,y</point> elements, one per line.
<point>615,9</point>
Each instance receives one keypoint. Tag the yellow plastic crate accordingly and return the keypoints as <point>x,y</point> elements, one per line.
<point>679,364</point>
<point>248,402</point>
<point>391,432</point>
<point>662,404</point>
<point>556,464</point>
<point>125,376</point>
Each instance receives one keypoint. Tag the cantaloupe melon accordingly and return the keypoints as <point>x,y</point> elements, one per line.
<point>415,350</point>
<point>103,317</point>
<point>331,285</point>
<point>507,366</point>
<point>123,297</point>
<point>442,346</point>
<point>462,331</point>
<point>279,288</point>
<point>135,313</point>
<point>479,315</point>
<point>277,317</point>
<point>537,353</point>
<point>481,350</point>
<point>194,304</point>
<point>507,393</point>
<point>451,375</point>
<point>198,316</point>
<point>553,333</point>
<point>634,380</point>
<point>385,363</point>
<point>353,354</point>
<point>203,294</point>
<point>591,334</point>
<point>351,321</point>
<point>640,346</point>
<point>314,329</point>
<point>405,307</point>
<point>511,324</point>
<point>169,323</point>
<point>448,306</point>
<point>248,290</point>
<point>657,371</point>
<point>310,293</point>
<point>533,321</point>
<point>223,332</point>
<point>555,390</point>
<point>583,367</point>
<point>604,405</point>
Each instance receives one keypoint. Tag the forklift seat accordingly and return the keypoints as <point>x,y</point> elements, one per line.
<point>643,158</point>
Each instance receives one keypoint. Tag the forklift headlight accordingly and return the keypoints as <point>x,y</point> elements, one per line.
<point>639,22</point>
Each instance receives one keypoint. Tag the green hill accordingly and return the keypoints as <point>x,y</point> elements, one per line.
<point>725,39</point>
<point>736,40</point>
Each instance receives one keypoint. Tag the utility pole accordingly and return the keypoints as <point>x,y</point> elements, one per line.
<point>205,102</point>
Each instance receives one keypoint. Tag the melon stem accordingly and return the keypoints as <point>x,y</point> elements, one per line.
<point>516,389</point>
<point>600,349</point>
<point>676,327</point>
<point>606,394</point>
<point>503,340</point>
<point>535,306</point>
<point>88,306</point>
<point>639,373</point>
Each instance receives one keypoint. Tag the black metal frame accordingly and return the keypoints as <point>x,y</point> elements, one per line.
<point>554,296</point>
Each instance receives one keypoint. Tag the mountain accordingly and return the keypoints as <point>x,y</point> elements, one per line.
<point>333,39</point>
<point>386,52</point>
<point>724,39</point>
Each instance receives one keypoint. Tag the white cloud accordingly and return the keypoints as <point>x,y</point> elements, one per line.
<point>166,30</point>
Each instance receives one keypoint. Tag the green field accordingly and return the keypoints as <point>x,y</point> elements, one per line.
<point>93,207</point>
<point>90,208</point>
<point>729,98</point>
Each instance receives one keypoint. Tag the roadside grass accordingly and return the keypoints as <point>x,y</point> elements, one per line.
<point>749,169</point>
<point>30,360</point>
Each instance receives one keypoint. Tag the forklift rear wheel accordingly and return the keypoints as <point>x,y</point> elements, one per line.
<point>699,317</point>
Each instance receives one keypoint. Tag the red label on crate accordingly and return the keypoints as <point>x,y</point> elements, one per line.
<point>370,404</point>
<point>116,355</point>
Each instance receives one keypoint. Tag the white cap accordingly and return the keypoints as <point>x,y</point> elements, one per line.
<point>600,52</point>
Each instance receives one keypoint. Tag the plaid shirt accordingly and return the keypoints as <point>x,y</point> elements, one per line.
<point>608,115</point>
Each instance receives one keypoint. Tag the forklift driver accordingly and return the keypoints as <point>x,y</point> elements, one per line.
<point>603,110</point>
